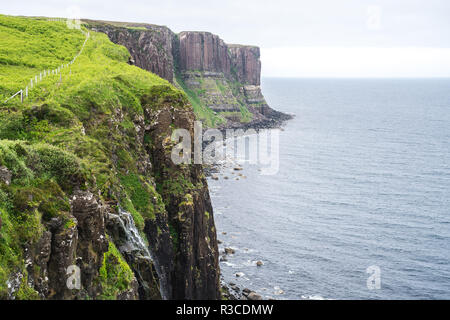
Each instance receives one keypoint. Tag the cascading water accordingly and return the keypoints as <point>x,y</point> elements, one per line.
<point>133,245</point>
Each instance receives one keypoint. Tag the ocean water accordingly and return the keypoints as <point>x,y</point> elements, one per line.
<point>364,180</point>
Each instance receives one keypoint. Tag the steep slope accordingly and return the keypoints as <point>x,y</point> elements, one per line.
<point>221,81</point>
<point>86,178</point>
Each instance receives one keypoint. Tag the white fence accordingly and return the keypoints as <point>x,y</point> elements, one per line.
<point>37,78</point>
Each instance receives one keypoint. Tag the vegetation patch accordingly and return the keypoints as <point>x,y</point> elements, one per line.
<point>115,277</point>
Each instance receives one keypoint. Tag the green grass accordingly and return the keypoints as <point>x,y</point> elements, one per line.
<point>115,274</point>
<point>22,38</point>
<point>77,133</point>
<point>202,112</point>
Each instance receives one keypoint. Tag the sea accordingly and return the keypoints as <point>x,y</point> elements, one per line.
<point>360,205</point>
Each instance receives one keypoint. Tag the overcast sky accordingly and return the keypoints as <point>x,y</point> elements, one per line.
<point>298,38</point>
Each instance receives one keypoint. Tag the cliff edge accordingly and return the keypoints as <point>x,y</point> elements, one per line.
<point>222,81</point>
<point>91,205</point>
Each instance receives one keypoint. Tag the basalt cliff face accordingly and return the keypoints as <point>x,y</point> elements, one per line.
<point>151,47</point>
<point>91,204</point>
<point>221,80</point>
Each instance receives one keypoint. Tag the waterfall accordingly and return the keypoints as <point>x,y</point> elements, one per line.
<point>131,244</point>
<point>133,240</point>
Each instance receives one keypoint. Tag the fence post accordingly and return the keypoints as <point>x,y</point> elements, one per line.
<point>49,72</point>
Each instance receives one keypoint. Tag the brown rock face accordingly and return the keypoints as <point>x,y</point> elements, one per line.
<point>63,254</point>
<point>195,270</point>
<point>224,77</point>
<point>246,63</point>
<point>92,241</point>
<point>203,51</point>
<point>151,47</point>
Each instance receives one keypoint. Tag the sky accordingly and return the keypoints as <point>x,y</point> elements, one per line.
<point>298,38</point>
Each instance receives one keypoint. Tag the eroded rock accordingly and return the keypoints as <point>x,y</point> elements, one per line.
<point>254,296</point>
<point>5,175</point>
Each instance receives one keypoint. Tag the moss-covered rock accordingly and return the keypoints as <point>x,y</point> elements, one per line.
<point>82,148</point>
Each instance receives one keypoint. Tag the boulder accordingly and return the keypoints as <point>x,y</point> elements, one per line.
<point>5,175</point>
<point>229,250</point>
<point>254,296</point>
<point>235,288</point>
<point>246,291</point>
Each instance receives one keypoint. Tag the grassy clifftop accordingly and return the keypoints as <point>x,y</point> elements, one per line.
<point>77,133</point>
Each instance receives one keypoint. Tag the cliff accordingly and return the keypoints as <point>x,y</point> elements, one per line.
<point>222,81</point>
<point>203,51</point>
<point>91,205</point>
<point>151,47</point>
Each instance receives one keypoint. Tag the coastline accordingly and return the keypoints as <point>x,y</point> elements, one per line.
<point>230,290</point>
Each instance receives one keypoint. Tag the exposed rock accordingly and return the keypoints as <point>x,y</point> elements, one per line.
<point>228,293</point>
<point>246,63</point>
<point>171,246</point>
<point>203,51</point>
<point>254,296</point>
<point>195,272</point>
<point>235,288</point>
<point>63,255</point>
<point>5,175</point>
<point>224,77</point>
<point>151,47</point>
<point>246,291</point>
<point>13,284</point>
<point>130,294</point>
<point>92,240</point>
<point>38,255</point>
<point>229,250</point>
